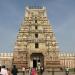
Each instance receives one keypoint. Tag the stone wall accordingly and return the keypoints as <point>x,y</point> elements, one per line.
<point>66,59</point>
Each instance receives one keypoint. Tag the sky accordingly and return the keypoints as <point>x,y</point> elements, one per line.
<point>61,14</point>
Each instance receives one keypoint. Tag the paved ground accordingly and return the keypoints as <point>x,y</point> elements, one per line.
<point>50,73</point>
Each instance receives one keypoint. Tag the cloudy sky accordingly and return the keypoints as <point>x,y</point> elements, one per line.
<point>61,14</point>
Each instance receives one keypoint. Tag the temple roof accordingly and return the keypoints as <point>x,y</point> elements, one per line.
<point>35,7</point>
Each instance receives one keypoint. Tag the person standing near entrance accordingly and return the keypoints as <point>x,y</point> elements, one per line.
<point>33,71</point>
<point>67,71</point>
<point>41,70</point>
<point>4,70</point>
<point>29,70</point>
<point>14,70</point>
<point>0,70</point>
<point>23,70</point>
<point>9,72</point>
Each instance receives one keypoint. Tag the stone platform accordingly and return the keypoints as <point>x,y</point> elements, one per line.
<point>50,73</point>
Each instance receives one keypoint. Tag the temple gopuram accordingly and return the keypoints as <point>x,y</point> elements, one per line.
<point>36,43</point>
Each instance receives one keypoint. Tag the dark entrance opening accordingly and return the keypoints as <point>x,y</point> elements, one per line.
<point>34,63</point>
<point>37,60</point>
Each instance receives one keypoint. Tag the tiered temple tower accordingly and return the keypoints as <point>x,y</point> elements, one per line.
<point>36,43</point>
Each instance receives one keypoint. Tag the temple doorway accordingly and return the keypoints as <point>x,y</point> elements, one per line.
<point>37,60</point>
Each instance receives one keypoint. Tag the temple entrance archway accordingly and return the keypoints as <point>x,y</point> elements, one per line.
<point>37,60</point>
